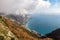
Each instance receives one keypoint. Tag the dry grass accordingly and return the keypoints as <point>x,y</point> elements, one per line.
<point>21,32</point>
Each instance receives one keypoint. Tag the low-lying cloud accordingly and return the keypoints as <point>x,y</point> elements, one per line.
<point>22,6</point>
<point>12,6</point>
<point>28,7</point>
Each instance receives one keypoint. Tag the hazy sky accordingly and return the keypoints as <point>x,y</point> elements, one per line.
<point>30,6</point>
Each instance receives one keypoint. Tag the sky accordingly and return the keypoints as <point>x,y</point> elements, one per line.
<point>53,7</point>
<point>30,6</point>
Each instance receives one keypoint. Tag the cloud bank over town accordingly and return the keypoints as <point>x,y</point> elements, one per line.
<point>30,6</point>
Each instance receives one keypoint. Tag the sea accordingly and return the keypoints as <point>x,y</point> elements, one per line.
<point>43,23</point>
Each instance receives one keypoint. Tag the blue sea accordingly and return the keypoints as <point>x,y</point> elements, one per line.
<point>44,24</point>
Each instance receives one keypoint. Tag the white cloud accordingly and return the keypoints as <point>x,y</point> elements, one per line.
<point>50,9</point>
<point>27,6</point>
<point>11,6</point>
<point>42,6</point>
<point>22,6</point>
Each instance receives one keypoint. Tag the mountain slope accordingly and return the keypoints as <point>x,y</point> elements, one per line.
<point>20,32</point>
<point>5,33</point>
<point>54,34</point>
<point>10,30</point>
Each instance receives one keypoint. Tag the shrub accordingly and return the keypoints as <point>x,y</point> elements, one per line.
<point>2,38</point>
<point>12,38</point>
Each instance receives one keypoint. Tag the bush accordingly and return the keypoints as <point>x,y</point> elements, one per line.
<point>2,38</point>
<point>12,38</point>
